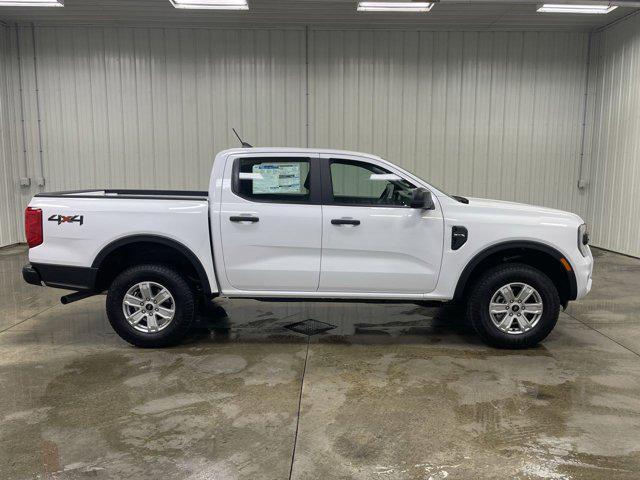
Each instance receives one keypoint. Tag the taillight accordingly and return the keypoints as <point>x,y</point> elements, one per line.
<point>33,226</point>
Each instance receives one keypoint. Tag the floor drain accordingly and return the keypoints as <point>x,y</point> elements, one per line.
<point>310,327</point>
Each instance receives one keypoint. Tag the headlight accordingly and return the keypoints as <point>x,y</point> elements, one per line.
<point>583,240</point>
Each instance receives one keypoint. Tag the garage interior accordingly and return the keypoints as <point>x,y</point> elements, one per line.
<point>483,98</point>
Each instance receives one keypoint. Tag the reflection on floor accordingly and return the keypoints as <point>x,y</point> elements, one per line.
<point>381,391</point>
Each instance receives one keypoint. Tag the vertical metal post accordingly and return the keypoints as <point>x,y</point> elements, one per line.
<point>41,180</point>
<point>306,64</point>
<point>25,181</point>
<point>581,181</point>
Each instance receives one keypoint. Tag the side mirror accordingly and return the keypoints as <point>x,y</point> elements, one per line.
<point>421,198</point>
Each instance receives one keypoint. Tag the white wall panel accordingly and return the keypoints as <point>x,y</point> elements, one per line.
<point>481,113</point>
<point>494,114</point>
<point>491,114</point>
<point>149,108</point>
<point>614,206</point>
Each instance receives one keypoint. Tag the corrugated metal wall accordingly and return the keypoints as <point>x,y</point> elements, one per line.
<point>480,113</point>
<point>10,168</point>
<point>143,108</point>
<point>486,114</point>
<point>614,200</point>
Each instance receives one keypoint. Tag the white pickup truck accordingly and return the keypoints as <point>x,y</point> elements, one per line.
<point>291,224</point>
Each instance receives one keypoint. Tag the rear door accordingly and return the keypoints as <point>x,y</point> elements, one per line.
<point>271,222</point>
<point>373,241</point>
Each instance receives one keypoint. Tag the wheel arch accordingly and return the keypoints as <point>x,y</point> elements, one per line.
<point>184,256</point>
<point>539,255</point>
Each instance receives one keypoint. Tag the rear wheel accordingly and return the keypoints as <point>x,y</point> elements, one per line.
<point>150,306</point>
<point>513,306</point>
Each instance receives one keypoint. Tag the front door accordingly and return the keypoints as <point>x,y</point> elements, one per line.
<point>271,222</point>
<point>372,240</point>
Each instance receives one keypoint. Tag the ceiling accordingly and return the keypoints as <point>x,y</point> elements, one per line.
<point>450,14</point>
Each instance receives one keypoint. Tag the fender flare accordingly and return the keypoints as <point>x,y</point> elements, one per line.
<point>516,244</point>
<point>190,256</point>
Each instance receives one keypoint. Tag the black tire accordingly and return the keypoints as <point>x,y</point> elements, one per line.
<point>173,281</point>
<point>493,279</point>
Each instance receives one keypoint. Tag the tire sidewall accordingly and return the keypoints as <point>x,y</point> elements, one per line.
<point>487,287</point>
<point>172,281</point>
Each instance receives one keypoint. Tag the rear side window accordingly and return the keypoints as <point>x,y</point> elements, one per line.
<point>273,179</point>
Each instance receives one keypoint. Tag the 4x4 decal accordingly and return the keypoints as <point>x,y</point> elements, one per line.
<point>67,219</point>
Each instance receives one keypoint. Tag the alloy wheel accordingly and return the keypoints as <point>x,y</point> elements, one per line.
<point>515,308</point>
<point>149,307</point>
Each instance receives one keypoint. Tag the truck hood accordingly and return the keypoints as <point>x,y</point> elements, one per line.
<point>501,206</point>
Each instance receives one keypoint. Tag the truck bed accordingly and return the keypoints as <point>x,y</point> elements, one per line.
<point>81,227</point>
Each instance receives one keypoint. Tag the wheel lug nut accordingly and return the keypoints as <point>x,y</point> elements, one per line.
<point>141,303</point>
<point>156,309</point>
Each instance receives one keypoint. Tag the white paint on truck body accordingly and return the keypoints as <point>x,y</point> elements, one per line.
<point>295,250</point>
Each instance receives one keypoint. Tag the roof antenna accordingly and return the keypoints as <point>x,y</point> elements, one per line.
<point>244,144</point>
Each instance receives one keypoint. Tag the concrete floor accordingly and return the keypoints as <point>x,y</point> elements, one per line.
<point>393,392</point>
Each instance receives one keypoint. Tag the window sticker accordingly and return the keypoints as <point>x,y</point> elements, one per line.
<point>277,178</point>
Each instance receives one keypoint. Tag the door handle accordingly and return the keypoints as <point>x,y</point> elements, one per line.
<point>345,221</point>
<point>244,219</point>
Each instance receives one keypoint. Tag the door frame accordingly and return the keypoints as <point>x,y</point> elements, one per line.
<point>327,160</point>
<point>226,187</point>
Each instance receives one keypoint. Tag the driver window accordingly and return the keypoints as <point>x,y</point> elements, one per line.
<point>360,183</point>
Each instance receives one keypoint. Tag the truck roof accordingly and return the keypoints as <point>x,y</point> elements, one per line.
<point>328,151</point>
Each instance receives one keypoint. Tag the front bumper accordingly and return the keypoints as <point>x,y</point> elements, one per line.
<point>583,269</point>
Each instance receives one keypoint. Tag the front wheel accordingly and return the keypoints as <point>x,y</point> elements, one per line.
<point>513,306</point>
<point>150,306</point>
